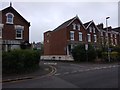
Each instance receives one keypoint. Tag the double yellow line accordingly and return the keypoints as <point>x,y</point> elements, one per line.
<point>54,70</point>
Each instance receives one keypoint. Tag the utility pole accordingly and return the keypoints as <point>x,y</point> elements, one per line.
<point>108,39</point>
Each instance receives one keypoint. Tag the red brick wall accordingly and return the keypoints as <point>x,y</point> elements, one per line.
<point>9,32</point>
<point>59,39</point>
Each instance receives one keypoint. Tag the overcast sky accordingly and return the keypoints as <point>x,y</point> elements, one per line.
<point>45,16</point>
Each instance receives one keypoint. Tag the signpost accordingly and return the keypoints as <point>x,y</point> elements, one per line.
<point>86,48</point>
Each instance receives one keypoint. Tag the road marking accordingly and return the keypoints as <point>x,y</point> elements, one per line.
<point>80,70</point>
<point>66,73</point>
<point>57,74</point>
<point>73,71</point>
<point>50,63</point>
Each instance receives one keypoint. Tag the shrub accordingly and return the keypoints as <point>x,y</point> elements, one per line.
<point>20,61</point>
<point>114,56</point>
<point>80,54</point>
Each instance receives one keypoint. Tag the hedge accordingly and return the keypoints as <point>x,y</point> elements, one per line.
<point>80,54</point>
<point>114,56</point>
<point>20,61</point>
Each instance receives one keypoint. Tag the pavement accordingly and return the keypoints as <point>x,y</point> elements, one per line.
<point>42,71</point>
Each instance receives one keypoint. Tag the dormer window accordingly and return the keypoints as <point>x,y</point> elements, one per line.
<point>90,29</point>
<point>78,26</point>
<point>74,26</point>
<point>9,18</point>
<point>93,30</point>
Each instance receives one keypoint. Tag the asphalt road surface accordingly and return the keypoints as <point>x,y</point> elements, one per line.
<point>72,75</point>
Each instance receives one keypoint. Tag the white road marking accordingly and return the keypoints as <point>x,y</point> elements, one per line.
<point>66,73</point>
<point>58,74</point>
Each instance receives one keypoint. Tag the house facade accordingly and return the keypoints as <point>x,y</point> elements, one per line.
<point>14,29</point>
<point>110,36</point>
<point>59,42</point>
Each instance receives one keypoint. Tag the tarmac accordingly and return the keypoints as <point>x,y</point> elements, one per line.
<point>42,71</point>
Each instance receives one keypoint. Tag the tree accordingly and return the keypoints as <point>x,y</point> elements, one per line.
<point>80,54</point>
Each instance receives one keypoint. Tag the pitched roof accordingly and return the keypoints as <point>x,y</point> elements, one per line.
<point>64,24</point>
<point>87,24</point>
<point>67,23</point>
<point>10,8</point>
<point>116,29</point>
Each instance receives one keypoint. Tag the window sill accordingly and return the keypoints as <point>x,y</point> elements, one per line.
<point>9,22</point>
<point>19,38</point>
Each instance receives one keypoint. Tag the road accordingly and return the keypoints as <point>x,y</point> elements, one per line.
<point>72,75</point>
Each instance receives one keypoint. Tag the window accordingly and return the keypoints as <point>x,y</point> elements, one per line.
<point>93,30</point>
<point>95,38</point>
<point>78,26</point>
<point>80,36</point>
<point>115,36</point>
<point>101,33</point>
<point>74,26</point>
<point>106,34</point>
<point>19,31</point>
<point>71,35</point>
<point>90,29</point>
<point>0,32</point>
<point>89,37</point>
<point>115,41</point>
<point>9,18</point>
<point>112,41</point>
<point>111,35</point>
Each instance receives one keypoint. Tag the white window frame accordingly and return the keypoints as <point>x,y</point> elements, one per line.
<point>95,38</point>
<point>94,30</point>
<point>115,35</point>
<point>111,35</point>
<point>101,33</point>
<point>19,27</point>
<point>89,37</point>
<point>74,26</point>
<point>72,35</point>
<point>106,34</point>
<point>80,36</point>
<point>78,26</point>
<point>115,41</point>
<point>7,18</point>
<point>90,29</point>
<point>112,41</point>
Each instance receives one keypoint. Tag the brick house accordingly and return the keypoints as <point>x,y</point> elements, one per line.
<point>14,29</point>
<point>92,33</point>
<point>59,42</point>
<point>113,36</point>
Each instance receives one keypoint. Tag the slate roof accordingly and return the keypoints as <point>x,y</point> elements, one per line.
<point>87,24</point>
<point>65,24</point>
<point>116,29</point>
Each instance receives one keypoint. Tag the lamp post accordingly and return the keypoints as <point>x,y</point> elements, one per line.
<point>107,39</point>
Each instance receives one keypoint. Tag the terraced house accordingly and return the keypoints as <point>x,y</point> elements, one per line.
<point>59,42</point>
<point>14,29</point>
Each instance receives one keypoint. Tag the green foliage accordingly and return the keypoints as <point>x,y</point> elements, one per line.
<point>19,61</point>
<point>114,56</point>
<point>99,53</point>
<point>80,54</point>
